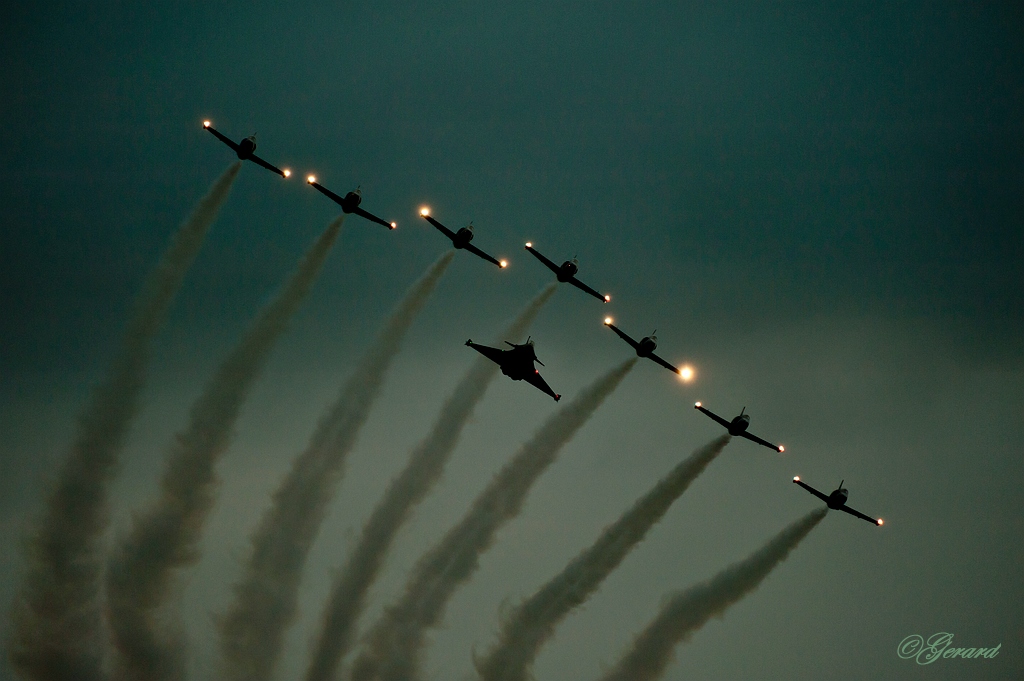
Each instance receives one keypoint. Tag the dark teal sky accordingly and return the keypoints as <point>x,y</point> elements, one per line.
<point>817,205</point>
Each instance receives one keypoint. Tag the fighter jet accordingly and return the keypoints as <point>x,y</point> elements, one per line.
<point>349,204</point>
<point>644,348</point>
<point>245,150</point>
<point>567,273</point>
<point>837,500</point>
<point>738,426</point>
<point>461,239</point>
<point>517,363</point>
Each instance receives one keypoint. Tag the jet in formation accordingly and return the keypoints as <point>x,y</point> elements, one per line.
<point>462,238</point>
<point>245,150</point>
<point>837,500</point>
<point>644,347</point>
<point>349,204</point>
<point>517,363</point>
<point>566,273</point>
<point>738,426</point>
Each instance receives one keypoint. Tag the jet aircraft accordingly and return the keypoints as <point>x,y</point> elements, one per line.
<point>245,149</point>
<point>517,363</point>
<point>738,426</point>
<point>645,347</point>
<point>349,204</point>
<point>567,273</point>
<point>461,239</point>
<point>837,500</point>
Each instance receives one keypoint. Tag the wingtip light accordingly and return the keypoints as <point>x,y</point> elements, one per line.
<point>206,124</point>
<point>607,298</point>
<point>880,522</point>
<point>781,449</point>
<point>696,405</point>
<point>686,373</point>
<point>529,244</point>
<point>394,224</point>
<point>503,264</point>
<point>286,172</point>
<point>796,478</point>
<point>311,179</point>
<point>424,211</point>
<point>607,321</point>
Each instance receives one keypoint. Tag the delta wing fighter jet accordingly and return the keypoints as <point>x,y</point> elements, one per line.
<point>517,364</point>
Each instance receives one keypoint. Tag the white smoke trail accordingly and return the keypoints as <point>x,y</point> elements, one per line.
<point>533,623</point>
<point>427,461</point>
<point>689,610</point>
<point>252,631</point>
<point>164,538</point>
<point>57,633</point>
<point>393,646</point>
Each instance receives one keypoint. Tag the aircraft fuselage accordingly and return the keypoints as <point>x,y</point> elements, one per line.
<point>567,271</point>
<point>462,237</point>
<point>739,424</point>
<point>246,148</point>
<point>837,499</point>
<point>351,202</point>
<point>646,346</point>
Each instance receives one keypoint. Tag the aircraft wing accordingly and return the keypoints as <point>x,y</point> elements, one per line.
<point>259,161</point>
<point>222,138</point>
<point>623,336</point>
<point>713,415</point>
<point>476,251</point>
<point>547,263</point>
<point>494,354</point>
<point>583,287</point>
<point>538,382</point>
<point>754,438</point>
<point>441,228</point>
<point>371,217</point>
<point>326,192</point>
<point>860,515</point>
<point>663,363</point>
<point>812,490</point>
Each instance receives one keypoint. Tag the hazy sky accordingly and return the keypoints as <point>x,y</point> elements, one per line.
<point>819,206</point>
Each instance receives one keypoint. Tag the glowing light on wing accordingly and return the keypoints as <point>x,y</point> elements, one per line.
<point>394,224</point>
<point>311,179</point>
<point>503,264</point>
<point>607,320</point>
<point>686,373</point>
<point>607,298</point>
<point>781,449</point>
<point>881,522</point>
<point>206,124</point>
<point>424,211</point>
<point>287,173</point>
<point>796,478</point>
<point>696,405</point>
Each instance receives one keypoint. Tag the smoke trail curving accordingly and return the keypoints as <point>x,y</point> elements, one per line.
<point>348,595</point>
<point>689,610</point>
<point>533,623</point>
<point>252,631</point>
<point>165,537</point>
<point>393,646</point>
<point>56,617</point>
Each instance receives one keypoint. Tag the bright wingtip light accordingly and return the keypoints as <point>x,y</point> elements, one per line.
<point>394,224</point>
<point>287,173</point>
<point>880,522</point>
<point>311,179</point>
<point>503,264</point>
<point>529,244</point>
<point>607,298</point>
<point>796,478</point>
<point>686,373</point>
<point>206,124</point>
<point>424,211</point>
<point>696,405</point>
<point>781,449</point>
<point>607,320</point>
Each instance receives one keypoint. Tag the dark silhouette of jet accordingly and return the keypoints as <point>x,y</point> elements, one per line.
<point>245,150</point>
<point>738,426</point>
<point>644,348</point>
<point>349,204</point>
<point>567,273</point>
<point>837,500</point>
<point>462,238</point>
<point>517,364</point>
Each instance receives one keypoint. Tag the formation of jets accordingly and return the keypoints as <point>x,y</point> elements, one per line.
<point>518,362</point>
